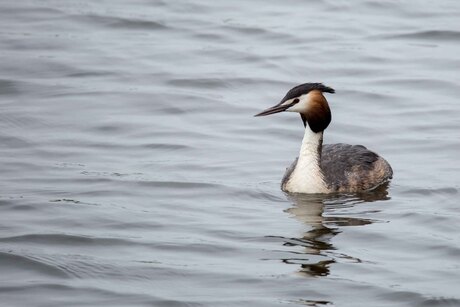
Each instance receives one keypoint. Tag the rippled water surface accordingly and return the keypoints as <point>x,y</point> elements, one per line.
<point>134,174</point>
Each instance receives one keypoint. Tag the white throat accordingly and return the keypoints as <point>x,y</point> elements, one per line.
<point>307,176</point>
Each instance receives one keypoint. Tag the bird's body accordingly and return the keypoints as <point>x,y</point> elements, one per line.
<point>326,168</point>
<point>344,168</point>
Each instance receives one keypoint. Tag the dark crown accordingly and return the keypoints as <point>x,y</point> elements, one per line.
<point>305,89</point>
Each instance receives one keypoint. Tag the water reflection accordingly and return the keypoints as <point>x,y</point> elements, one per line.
<point>317,211</point>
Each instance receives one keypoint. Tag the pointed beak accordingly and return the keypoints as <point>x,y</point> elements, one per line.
<point>275,109</point>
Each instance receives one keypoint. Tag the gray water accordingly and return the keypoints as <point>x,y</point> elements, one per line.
<point>133,172</point>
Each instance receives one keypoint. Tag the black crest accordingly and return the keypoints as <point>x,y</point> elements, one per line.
<point>305,88</point>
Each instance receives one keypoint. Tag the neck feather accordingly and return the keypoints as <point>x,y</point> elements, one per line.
<point>307,176</point>
<point>312,144</point>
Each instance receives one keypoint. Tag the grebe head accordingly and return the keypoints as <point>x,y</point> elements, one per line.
<point>308,100</point>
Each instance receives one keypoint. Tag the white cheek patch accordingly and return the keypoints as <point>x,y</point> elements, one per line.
<point>301,106</point>
<point>287,102</point>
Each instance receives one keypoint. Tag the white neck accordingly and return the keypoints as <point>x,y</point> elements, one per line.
<point>307,176</point>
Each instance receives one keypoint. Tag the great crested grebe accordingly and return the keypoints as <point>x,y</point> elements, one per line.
<point>332,167</point>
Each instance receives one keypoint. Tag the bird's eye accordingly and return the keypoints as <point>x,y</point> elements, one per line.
<point>296,100</point>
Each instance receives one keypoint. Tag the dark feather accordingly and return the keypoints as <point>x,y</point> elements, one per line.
<point>304,120</point>
<point>305,88</point>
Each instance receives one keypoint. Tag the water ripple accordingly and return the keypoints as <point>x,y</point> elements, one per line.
<point>134,173</point>
<point>431,35</point>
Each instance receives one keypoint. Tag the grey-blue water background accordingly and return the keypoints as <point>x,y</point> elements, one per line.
<point>133,172</point>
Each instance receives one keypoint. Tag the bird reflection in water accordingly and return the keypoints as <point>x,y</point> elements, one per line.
<point>317,212</point>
